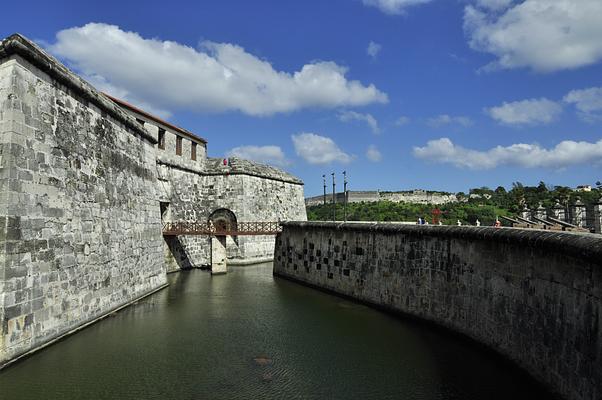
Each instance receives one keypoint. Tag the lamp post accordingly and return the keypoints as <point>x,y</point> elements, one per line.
<point>345,196</point>
<point>324,180</point>
<point>334,199</point>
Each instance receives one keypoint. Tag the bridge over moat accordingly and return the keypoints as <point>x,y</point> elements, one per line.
<point>93,179</point>
<point>219,230</point>
<point>86,178</point>
<point>211,229</point>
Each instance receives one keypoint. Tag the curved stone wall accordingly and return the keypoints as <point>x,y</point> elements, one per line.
<point>533,296</point>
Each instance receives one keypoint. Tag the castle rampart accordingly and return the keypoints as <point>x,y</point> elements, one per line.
<point>81,233</point>
<point>193,186</point>
<point>86,182</point>
<point>533,296</point>
<point>252,192</point>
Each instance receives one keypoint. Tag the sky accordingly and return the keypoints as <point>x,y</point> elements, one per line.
<point>401,94</point>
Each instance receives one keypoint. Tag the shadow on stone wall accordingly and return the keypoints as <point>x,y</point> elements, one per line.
<point>176,257</point>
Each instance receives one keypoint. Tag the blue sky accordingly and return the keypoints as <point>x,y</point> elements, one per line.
<point>402,94</point>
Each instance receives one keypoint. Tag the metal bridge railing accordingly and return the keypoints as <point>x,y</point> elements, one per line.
<point>220,229</point>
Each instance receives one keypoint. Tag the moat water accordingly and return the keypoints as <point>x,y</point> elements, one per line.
<point>248,335</point>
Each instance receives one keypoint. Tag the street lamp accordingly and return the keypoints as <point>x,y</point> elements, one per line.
<point>334,199</point>
<point>345,195</point>
<point>324,180</point>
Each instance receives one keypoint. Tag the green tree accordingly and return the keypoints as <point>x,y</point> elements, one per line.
<point>562,194</point>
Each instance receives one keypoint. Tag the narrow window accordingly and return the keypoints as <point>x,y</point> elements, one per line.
<point>140,121</point>
<point>162,139</point>
<point>193,151</point>
<point>164,210</point>
<point>178,145</point>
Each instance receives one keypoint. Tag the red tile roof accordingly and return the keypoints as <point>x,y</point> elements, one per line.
<point>135,109</point>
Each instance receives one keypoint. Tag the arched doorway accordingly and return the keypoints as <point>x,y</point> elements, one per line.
<point>223,220</point>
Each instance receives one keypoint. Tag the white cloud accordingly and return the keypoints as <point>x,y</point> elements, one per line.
<point>403,120</point>
<point>588,102</point>
<point>101,84</point>
<point>373,154</point>
<point>564,154</point>
<point>394,7</point>
<point>347,116</point>
<point>544,35</point>
<point>526,112</point>
<point>444,119</point>
<point>217,77</point>
<point>272,155</point>
<point>373,49</point>
<point>494,5</point>
<point>316,149</point>
<point>458,58</point>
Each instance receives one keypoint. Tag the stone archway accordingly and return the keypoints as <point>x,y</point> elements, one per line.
<point>223,219</point>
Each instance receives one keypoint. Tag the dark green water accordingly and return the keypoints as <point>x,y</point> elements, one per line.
<point>247,335</point>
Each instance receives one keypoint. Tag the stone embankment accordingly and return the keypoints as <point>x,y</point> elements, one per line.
<point>532,296</point>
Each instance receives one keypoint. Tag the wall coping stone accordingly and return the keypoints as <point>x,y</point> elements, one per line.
<point>581,245</point>
<point>238,166</point>
<point>18,44</point>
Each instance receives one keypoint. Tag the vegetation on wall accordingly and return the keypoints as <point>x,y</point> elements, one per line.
<point>482,203</point>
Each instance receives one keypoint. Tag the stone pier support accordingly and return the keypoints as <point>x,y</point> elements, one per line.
<point>597,211</point>
<point>539,212</point>
<point>218,255</point>
<point>557,212</point>
<point>577,214</point>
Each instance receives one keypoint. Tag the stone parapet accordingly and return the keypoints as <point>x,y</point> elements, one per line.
<point>532,296</point>
<point>239,166</point>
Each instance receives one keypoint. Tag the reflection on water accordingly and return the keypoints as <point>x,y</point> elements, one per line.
<point>247,335</point>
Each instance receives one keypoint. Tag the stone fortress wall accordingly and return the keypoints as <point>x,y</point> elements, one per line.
<point>86,183</point>
<point>414,196</point>
<point>81,232</point>
<point>193,186</point>
<point>533,296</point>
<point>251,198</point>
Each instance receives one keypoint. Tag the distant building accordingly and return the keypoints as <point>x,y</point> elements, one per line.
<point>480,196</point>
<point>415,196</point>
<point>584,188</point>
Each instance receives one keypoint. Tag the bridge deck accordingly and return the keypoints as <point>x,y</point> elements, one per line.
<point>210,229</point>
